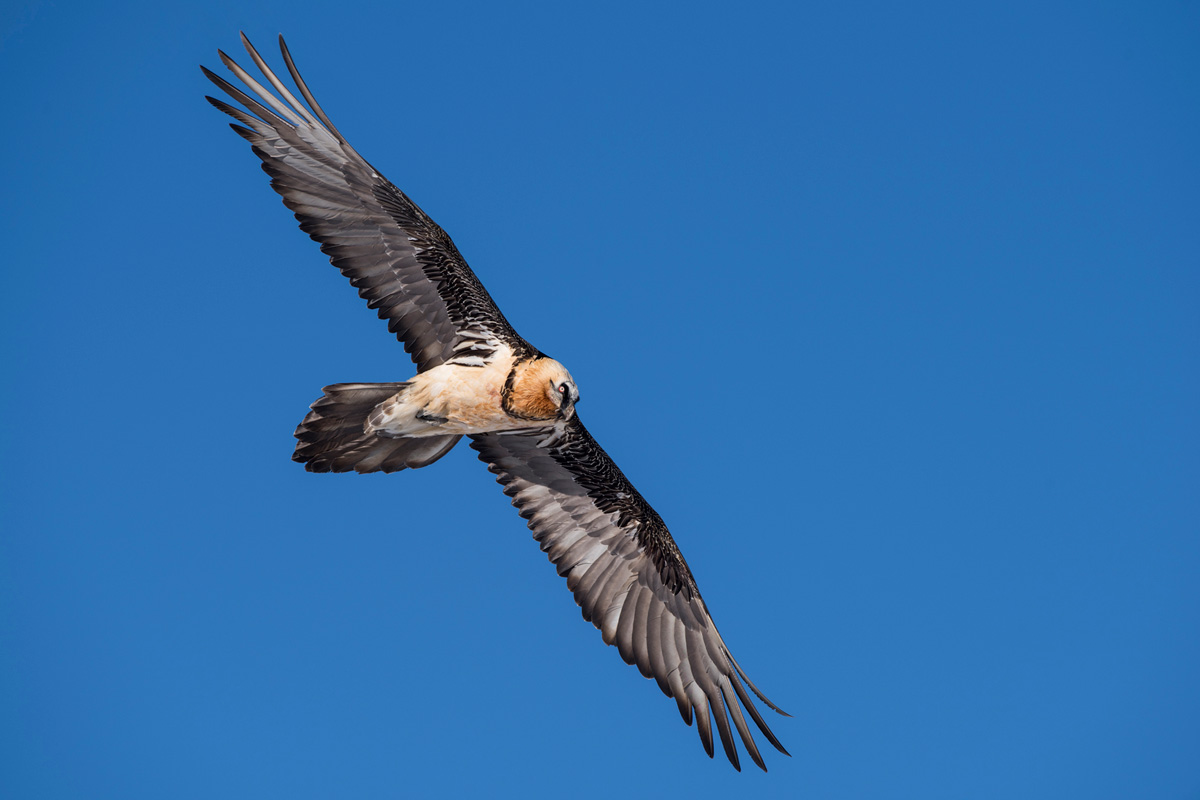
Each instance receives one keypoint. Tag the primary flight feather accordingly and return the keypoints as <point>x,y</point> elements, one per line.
<point>477,377</point>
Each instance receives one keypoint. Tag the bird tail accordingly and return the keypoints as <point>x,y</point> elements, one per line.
<point>332,438</point>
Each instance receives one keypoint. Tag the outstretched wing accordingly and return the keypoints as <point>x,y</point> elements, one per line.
<point>398,258</point>
<point>626,572</point>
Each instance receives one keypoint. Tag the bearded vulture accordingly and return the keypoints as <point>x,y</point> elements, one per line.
<point>476,377</point>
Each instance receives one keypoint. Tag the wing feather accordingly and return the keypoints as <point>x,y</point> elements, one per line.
<point>703,722</point>
<point>638,627</point>
<point>402,263</point>
<point>627,575</point>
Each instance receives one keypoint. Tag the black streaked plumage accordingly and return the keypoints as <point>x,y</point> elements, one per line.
<point>625,571</point>
<point>400,260</point>
<point>616,554</point>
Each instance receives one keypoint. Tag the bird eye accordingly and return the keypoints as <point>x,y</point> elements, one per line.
<point>562,388</point>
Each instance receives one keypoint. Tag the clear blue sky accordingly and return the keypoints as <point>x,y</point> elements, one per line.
<point>891,310</point>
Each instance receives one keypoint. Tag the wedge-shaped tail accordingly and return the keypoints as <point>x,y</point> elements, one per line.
<point>332,437</point>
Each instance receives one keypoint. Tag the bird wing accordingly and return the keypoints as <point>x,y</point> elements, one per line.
<point>398,258</point>
<point>626,572</point>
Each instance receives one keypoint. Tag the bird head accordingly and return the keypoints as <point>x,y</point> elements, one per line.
<point>562,390</point>
<point>541,389</point>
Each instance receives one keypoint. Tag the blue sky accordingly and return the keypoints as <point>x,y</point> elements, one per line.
<point>889,310</point>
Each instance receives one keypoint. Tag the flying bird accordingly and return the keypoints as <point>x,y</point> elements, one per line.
<point>476,377</point>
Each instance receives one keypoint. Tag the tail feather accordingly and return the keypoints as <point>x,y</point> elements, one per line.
<point>332,437</point>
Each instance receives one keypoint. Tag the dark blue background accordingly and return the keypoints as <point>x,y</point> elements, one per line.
<point>891,310</point>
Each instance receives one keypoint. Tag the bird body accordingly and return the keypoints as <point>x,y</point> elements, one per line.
<point>503,395</point>
<point>477,377</point>
<point>448,398</point>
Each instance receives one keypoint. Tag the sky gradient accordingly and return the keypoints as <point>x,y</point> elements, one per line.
<point>891,312</point>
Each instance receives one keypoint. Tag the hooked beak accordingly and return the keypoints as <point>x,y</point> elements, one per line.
<point>568,403</point>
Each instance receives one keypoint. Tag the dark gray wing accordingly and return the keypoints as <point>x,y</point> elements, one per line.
<point>626,573</point>
<point>398,258</point>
